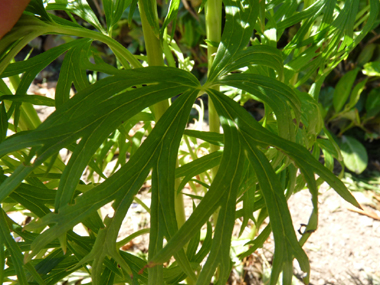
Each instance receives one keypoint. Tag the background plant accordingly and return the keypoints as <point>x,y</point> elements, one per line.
<point>253,162</point>
<point>351,108</point>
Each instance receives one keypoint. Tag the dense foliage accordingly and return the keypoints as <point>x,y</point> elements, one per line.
<point>260,163</point>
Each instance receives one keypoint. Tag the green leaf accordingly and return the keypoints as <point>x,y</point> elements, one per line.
<point>372,68</point>
<point>371,20</point>
<point>196,167</point>
<point>220,248</point>
<point>171,16</point>
<point>212,43</point>
<point>262,55</point>
<point>334,144</point>
<point>286,242</point>
<point>81,8</point>
<point>255,134</point>
<point>329,159</point>
<point>71,72</point>
<point>222,193</point>
<point>163,179</point>
<point>26,29</point>
<point>311,117</point>
<point>3,122</point>
<point>346,21</point>
<point>91,115</point>
<point>15,253</point>
<point>108,276</point>
<point>366,54</point>
<point>329,147</point>
<point>125,184</point>
<point>257,242</point>
<point>150,10</point>
<point>2,260</point>
<point>248,205</point>
<point>259,161</point>
<point>210,137</point>
<point>37,7</point>
<point>372,104</point>
<point>33,99</point>
<point>355,94</point>
<point>240,21</point>
<point>311,11</point>
<point>136,264</point>
<point>354,154</point>
<point>113,9</point>
<point>343,89</point>
<point>300,62</point>
<point>36,64</point>
<point>131,11</point>
<point>301,156</point>
<point>277,95</point>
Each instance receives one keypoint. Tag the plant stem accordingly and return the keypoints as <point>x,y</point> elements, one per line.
<point>154,53</point>
<point>155,58</point>
<point>214,34</point>
<point>214,31</point>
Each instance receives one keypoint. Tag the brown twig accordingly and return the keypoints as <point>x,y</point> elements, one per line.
<point>367,212</point>
<point>373,39</point>
<point>188,8</point>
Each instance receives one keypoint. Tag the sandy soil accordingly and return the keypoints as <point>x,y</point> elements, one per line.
<point>346,247</point>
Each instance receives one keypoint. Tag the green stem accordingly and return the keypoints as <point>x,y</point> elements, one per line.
<point>155,58</point>
<point>154,54</point>
<point>214,34</point>
<point>213,27</point>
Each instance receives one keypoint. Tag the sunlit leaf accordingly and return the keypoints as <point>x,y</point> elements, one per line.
<point>372,68</point>
<point>354,154</point>
<point>343,89</point>
<point>240,20</point>
<point>113,11</point>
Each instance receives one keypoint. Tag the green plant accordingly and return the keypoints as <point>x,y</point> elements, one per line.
<point>351,108</point>
<point>253,162</point>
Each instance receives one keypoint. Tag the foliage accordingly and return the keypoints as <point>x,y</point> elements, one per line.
<point>253,162</point>
<point>351,109</point>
